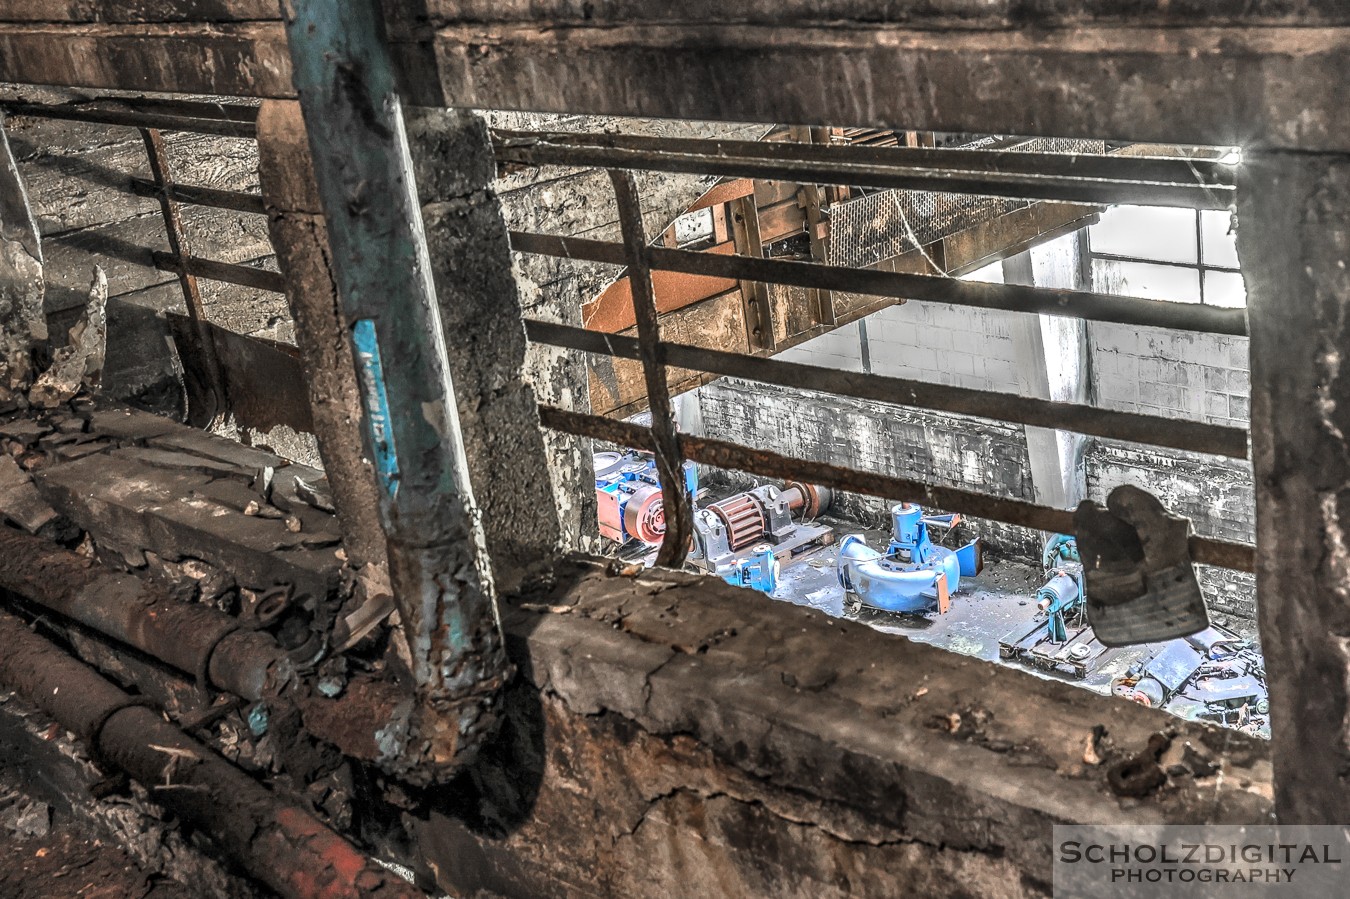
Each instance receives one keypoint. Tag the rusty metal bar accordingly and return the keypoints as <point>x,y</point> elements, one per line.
<point>927,288</point>
<point>829,169</point>
<point>281,844</point>
<point>1083,419</point>
<point>666,438</point>
<point>228,272</point>
<point>223,120</point>
<point>200,196</point>
<point>210,401</point>
<point>723,454</point>
<point>1161,169</point>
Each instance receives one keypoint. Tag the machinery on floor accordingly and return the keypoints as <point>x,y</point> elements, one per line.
<point>628,496</point>
<point>1058,638</point>
<point>914,574</point>
<point>743,539</point>
<point>1214,675</point>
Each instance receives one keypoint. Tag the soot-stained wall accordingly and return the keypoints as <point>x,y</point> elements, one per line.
<point>988,457</point>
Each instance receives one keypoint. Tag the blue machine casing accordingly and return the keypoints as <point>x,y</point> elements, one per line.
<point>906,577</point>
<point>759,571</point>
<point>628,496</point>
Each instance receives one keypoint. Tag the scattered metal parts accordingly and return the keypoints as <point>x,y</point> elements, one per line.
<point>361,623</point>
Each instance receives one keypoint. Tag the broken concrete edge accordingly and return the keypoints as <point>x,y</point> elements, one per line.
<point>908,734</point>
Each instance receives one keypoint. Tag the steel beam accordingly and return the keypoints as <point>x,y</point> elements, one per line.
<point>837,166</point>
<point>1162,170</point>
<point>1093,306</point>
<point>438,566</point>
<point>1150,429</point>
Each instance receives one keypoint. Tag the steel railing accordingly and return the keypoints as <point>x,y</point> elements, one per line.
<point>1185,183</point>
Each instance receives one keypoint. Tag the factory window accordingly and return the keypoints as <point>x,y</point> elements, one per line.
<point>1183,255</point>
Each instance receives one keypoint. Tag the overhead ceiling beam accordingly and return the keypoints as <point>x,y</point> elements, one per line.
<point>1269,77</point>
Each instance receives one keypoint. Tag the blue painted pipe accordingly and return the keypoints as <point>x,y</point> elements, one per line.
<point>344,75</point>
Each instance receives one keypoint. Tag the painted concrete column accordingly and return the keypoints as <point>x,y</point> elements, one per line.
<point>481,318</point>
<point>300,235</point>
<point>1052,364</point>
<point>1294,243</point>
<point>438,563</point>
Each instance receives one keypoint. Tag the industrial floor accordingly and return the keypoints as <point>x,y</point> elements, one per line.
<point>984,609</point>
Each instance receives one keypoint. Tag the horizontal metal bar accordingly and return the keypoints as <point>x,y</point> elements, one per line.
<point>1150,429</point>
<point>726,455</point>
<point>136,118</point>
<point>1122,167</point>
<point>230,273</point>
<point>1195,266</point>
<point>927,288</point>
<point>1025,186</point>
<point>201,196</point>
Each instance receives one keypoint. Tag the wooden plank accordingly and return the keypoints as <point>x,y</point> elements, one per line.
<point>246,59</point>
<point>612,311</point>
<point>617,384</point>
<point>724,193</point>
<point>783,219</point>
<point>754,294</point>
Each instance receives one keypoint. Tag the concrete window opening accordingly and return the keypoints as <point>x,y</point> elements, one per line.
<point>777,537</point>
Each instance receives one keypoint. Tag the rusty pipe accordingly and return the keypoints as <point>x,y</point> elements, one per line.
<point>372,721</point>
<point>193,638</point>
<point>282,845</point>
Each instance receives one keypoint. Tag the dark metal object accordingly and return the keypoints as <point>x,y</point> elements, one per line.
<point>830,168</point>
<point>1163,170</point>
<point>228,272</point>
<point>666,440</point>
<point>437,563</point>
<point>722,454</point>
<point>207,402</point>
<point>1083,419</point>
<point>224,120</point>
<point>264,380</point>
<point>282,845</point>
<point>190,637</point>
<point>928,288</point>
<point>200,196</point>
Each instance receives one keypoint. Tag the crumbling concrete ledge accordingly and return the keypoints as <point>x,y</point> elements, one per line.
<point>690,738</point>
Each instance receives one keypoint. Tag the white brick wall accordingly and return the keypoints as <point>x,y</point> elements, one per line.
<point>944,344</point>
<point>1201,377</point>
<point>838,349</point>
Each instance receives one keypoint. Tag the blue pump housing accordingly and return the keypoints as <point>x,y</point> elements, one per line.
<point>758,571</point>
<point>914,574</point>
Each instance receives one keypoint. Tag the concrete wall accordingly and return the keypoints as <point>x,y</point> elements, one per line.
<point>989,457</point>
<point>1179,374</point>
<point>1147,370</point>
